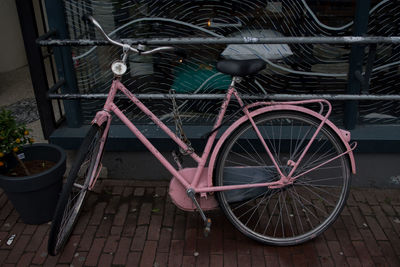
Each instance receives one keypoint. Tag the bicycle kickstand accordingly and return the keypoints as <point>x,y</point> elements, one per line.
<point>207,221</point>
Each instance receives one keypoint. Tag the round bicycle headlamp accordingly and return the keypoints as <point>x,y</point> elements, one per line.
<point>118,67</point>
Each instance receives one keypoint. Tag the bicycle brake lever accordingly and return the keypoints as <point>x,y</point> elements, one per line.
<point>156,50</point>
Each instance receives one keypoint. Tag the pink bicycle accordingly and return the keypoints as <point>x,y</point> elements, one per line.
<point>281,173</point>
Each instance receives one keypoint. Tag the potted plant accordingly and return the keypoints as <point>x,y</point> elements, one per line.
<point>30,174</point>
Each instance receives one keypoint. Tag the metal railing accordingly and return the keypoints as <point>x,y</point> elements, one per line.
<point>352,40</point>
<point>228,40</point>
<point>56,37</point>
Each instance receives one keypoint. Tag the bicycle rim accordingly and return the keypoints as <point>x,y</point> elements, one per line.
<point>75,190</point>
<point>295,213</point>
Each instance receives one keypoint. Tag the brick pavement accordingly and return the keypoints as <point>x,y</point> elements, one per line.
<point>134,223</point>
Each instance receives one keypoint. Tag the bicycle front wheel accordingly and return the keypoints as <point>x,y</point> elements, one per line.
<point>294,213</point>
<point>74,190</point>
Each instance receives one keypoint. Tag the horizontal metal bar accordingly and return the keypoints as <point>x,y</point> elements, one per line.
<point>230,40</point>
<point>222,96</point>
<point>56,86</point>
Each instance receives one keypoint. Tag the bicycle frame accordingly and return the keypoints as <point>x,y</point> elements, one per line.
<point>293,125</point>
<point>196,184</point>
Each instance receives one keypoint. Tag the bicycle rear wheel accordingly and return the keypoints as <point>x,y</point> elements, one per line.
<point>74,190</point>
<point>294,213</point>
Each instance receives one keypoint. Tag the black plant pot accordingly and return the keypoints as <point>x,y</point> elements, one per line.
<point>35,196</point>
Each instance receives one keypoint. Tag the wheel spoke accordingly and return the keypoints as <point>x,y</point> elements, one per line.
<point>296,212</point>
<point>74,191</point>
<point>288,215</point>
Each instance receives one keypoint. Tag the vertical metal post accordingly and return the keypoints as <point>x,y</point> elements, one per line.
<point>356,62</point>
<point>63,57</point>
<point>37,70</point>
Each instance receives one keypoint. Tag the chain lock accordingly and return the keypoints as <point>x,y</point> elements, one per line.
<point>178,126</point>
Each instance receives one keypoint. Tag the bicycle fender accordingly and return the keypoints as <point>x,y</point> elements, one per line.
<point>344,135</point>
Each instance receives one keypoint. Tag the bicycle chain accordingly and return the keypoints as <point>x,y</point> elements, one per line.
<point>178,126</point>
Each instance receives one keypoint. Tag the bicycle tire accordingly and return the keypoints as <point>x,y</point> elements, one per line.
<point>72,196</point>
<point>294,213</point>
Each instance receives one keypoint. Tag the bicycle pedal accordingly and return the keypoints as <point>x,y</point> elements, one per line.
<point>207,228</point>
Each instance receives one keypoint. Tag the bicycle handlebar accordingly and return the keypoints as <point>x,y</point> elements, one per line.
<point>124,46</point>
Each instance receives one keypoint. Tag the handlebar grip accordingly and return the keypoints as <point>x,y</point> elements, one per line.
<point>87,18</point>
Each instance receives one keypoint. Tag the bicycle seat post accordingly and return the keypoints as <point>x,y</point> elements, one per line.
<point>235,80</point>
